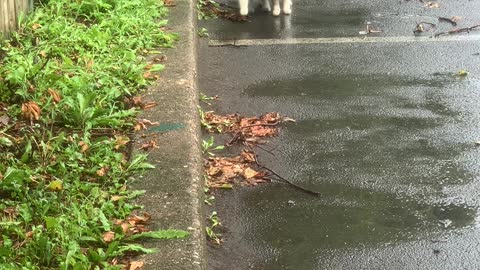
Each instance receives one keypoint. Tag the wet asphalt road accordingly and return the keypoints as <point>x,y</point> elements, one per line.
<point>384,131</point>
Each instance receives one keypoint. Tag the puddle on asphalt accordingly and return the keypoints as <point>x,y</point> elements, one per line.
<point>322,85</point>
<point>283,230</point>
<point>382,162</point>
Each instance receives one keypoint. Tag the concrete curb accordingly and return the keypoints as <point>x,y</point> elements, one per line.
<point>174,188</point>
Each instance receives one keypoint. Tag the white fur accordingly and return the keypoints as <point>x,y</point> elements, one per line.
<point>243,7</point>
<point>287,7</point>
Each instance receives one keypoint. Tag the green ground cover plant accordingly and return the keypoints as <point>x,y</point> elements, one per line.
<point>67,78</point>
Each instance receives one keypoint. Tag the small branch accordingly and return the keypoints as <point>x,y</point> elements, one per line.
<point>457,31</point>
<point>234,138</point>
<point>261,148</point>
<point>265,124</point>
<point>450,21</point>
<point>290,183</point>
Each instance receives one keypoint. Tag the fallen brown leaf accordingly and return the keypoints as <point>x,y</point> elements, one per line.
<point>169,3</point>
<point>31,111</point>
<point>55,95</point>
<point>36,26</point>
<point>136,219</point>
<point>248,156</point>
<point>147,75</point>
<point>120,141</point>
<point>249,173</point>
<point>149,145</point>
<point>125,227</point>
<point>84,146</point>
<point>102,171</point>
<point>149,105</point>
<point>108,237</point>
<point>116,198</point>
<point>135,265</point>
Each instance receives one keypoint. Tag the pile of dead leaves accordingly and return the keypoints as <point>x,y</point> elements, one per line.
<point>222,172</point>
<point>244,129</point>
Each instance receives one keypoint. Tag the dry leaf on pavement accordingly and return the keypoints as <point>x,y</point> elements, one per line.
<point>149,145</point>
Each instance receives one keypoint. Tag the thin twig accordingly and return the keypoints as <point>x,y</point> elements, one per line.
<point>264,124</point>
<point>261,148</point>
<point>457,31</point>
<point>290,183</point>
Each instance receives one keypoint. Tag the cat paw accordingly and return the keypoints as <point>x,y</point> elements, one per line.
<point>276,11</point>
<point>244,12</point>
<point>287,11</point>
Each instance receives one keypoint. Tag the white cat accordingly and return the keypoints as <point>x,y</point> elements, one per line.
<point>287,7</point>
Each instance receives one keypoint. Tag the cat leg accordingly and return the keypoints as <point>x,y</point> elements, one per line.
<point>287,6</point>
<point>276,7</point>
<point>266,5</point>
<point>243,7</point>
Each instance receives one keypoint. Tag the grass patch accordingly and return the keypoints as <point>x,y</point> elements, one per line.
<point>64,128</point>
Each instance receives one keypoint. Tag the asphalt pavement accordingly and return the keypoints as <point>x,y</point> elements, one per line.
<point>385,130</point>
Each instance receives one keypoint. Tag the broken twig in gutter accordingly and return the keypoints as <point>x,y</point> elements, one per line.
<point>458,31</point>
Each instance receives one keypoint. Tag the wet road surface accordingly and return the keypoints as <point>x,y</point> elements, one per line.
<point>384,131</point>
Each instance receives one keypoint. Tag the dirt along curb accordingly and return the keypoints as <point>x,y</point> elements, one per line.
<point>174,189</point>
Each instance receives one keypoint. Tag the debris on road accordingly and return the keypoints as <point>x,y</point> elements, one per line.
<point>369,30</point>
<point>211,9</point>
<point>458,31</point>
<point>423,27</point>
<point>432,4</point>
<point>453,21</point>
<point>244,129</point>
<point>222,172</point>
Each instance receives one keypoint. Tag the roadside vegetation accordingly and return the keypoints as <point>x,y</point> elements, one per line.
<point>69,83</point>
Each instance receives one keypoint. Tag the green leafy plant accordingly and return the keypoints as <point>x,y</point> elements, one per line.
<point>65,169</point>
<point>214,221</point>
<point>203,32</point>
<point>208,146</point>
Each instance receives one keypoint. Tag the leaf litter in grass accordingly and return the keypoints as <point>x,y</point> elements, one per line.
<point>94,64</point>
<point>31,111</point>
<point>137,101</point>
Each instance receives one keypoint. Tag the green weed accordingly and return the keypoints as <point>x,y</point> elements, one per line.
<point>203,32</point>
<point>208,146</point>
<point>64,171</point>
<point>214,221</point>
